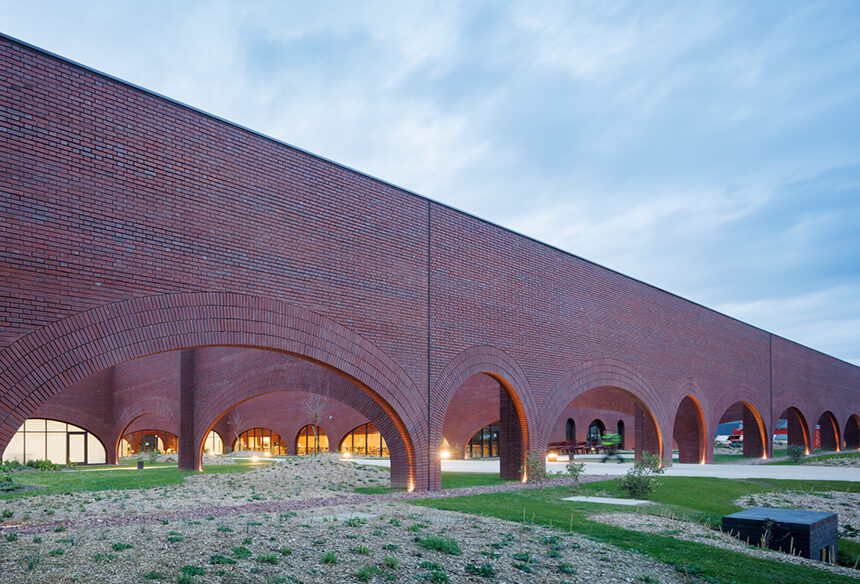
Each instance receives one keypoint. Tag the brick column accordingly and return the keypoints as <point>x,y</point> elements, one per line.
<point>511,454</point>
<point>189,450</point>
<point>645,435</point>
<point>753,446</point>
<point>686,433</point>
<point>796,431</point>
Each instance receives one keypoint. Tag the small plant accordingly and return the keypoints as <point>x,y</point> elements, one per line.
<point>390,547</point>
<point>329,558</point>
<point>641,480</point>
<point>241,553</point>
<point>7,484</point>
<point>535,468</point>
<point>446,545</point>
<point>285,551</point>
<point>37,539</point>
<point>575,470</point>
<point>43,465</point>
<point>354,522</point>
<point>153,575</point>
<point>57,552</point>
<point>192,570</point>
<point>118,547</point>
<point>566,568</point>
<point>7,514</point>
<point>223,528</point>
<point>218,559</point>
<point>392,563</point>
<point>361,549</point>
<point>795,453</point>
<point>268,559</point>
<point>485,570</point>
<point>11,537</point>
<point>366,573</point>
<point>60,529</point>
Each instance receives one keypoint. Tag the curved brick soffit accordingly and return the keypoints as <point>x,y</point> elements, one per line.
<point>282,378</point>
<point>828,416</point>
<point>788,404</point>
<point>598,373</point>
<point>498,365</point>
<point>162,421</point>
<point>690,388</point>
<point>747,395</point>
<point>52,358</point>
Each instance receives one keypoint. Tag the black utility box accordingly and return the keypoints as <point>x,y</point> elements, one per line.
<point>811,534</point>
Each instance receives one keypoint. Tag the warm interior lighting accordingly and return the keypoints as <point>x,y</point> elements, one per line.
<point>551,456</point>
<point>347,454</point>
<point>268,455</point>
<point>411,486</point>
<point>255,458</point>
<point>807,451</point>
<point>764,456</point>
<point>445,454</point>
<point>525,478</point>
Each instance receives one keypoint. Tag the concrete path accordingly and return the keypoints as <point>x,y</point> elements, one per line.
<point>726,471</point>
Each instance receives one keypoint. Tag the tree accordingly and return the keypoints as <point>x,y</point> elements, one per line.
<point>314,408</point>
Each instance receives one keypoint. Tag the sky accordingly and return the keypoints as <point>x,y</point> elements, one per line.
<point>711,149</point>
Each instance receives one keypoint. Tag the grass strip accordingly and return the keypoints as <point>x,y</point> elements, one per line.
<point>697,560</point>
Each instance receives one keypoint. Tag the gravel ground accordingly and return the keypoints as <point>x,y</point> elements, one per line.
<point>281,480</point>
<point>382,538</point>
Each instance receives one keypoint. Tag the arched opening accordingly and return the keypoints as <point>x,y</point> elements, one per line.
<point>620,431</point>
<point>689,431</point>
<point>98,339</point>
<point>56,441</point>
<point>488,403</point>
<point>570,430</point>
<point>852,432</point>
<point>260,440</point>
<point>311,439</point>
<point>631,415</point>
<point>213,444</point>
<point>742,424</point>
<point>364,441</point>
<point>148,441</point>
<point>791,430</point>
<point>595,432</point>
<point>828,428</point>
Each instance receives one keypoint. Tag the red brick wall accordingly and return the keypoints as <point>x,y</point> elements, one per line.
<point>134,225</point>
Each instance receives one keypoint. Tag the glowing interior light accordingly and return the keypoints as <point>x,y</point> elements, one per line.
<point>445,454</point>
<point>551,456</point>
<point>411,486</point>
<point>347,454</point>
<point>255,458</point>
<point>268,455</point>
<point>525,478</point>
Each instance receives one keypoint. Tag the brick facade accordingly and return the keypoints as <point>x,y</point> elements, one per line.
<point>135,227</point>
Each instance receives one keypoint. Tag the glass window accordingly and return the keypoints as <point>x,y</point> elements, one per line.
<point>34,425</point>
<point>148,441</point>
<point>485,442</point>
<point>260,440</point>
<point>15,449</point>
<point>59,442</point>
<point>364,441</point>
<point>55,426</point>
<point>308,442</point>
<point>213,444</point>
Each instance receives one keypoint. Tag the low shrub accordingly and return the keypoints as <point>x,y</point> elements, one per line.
<point>641,479</point>
<point>795,453</point>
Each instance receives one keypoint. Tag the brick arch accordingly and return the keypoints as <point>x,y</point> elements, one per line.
<point>296,376</point>
<point>831,435</point>
<point>492,361</point>
<point>756,444</point>
<point>52,358</point>
<point>798,427</point>
<point>611,373</point>
<point>689,431</point>
<point>851,433</point>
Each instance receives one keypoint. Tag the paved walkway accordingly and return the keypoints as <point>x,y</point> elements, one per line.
<point>725,471</point>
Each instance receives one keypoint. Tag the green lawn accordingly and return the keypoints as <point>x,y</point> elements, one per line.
<point>113,478</point>
<point>699,498</point>
<point>450,480</point>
